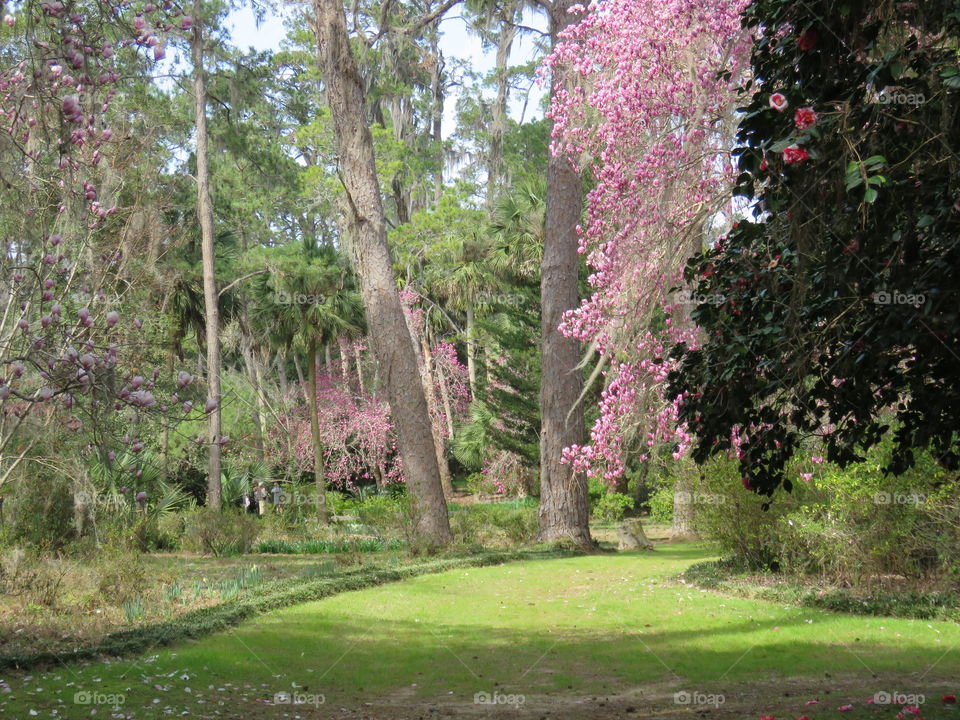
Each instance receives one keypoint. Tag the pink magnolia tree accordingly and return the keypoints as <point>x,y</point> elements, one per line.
<point>652,119</point>
<point>63,324</point>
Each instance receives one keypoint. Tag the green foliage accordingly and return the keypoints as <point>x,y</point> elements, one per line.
<point>611,507</point>
<point>660,504</point>
<point>39,511</point>
<point>325,547</point>
<point>841,292</point>
<point>219,533</point>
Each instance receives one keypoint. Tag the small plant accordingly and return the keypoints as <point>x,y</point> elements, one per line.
<point>133,610</point>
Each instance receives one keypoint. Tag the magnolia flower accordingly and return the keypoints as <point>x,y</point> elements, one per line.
<point>778,101</point>
<point>10,20</point>
<point>136,382</point>
<point>184,378</point>
<point>211,405</point>
<point>45,393</point>
<point>112,318</point>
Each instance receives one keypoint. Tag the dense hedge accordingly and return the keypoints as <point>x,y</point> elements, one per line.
<point>264,598</point>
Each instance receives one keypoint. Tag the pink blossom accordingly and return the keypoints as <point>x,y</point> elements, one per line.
<point>778,101</point>
<point>804,118</point>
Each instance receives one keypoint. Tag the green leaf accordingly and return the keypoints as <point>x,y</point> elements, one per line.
<point>870,195</point>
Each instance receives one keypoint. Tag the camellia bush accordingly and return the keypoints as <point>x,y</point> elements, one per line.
<point>840,317</point>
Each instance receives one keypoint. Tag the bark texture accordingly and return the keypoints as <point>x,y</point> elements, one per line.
<point>564,507</point>
<point>210,295</point>
<point>391,340</point>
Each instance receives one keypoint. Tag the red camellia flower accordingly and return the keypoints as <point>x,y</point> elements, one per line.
<point>808,40</point>
<point>949,699</point>
<point>795,154</point>
<point>748,486</point>
<point>804,118</point>
<point>778,101</point>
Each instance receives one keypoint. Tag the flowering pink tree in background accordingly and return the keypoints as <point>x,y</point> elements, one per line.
<point>357,432</point>
<point>652,118</point>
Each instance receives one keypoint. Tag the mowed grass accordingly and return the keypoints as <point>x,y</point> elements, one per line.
<point>581,625</point>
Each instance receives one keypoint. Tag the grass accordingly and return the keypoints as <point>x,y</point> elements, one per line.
<point>571,627</point>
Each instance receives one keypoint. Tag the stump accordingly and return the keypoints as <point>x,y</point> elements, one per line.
<point>632,536</point>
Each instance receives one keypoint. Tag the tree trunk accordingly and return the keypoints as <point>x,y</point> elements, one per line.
<point>471,349</point>
<point>445,398</point>
<point>282,373</point>
<point>210,297</point>
<point>392,344</point>
<point>438,443</point>
<point>358,357</point>
<point>682,526</point>
<point>314,412</point>
<point>437,91</point>
<point>498,125</point>
<point>344,347</point>
<point>253,375</point>
<point>564,508</point>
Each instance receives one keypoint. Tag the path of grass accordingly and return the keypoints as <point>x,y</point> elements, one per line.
<point>561,633</point>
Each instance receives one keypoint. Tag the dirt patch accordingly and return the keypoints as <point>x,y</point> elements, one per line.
<point>783,698</point>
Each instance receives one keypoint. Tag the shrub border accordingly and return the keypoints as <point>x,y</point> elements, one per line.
<point>261,599</point>
<point>715,575</point>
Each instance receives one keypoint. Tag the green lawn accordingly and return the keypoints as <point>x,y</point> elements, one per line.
<point>547,630</point>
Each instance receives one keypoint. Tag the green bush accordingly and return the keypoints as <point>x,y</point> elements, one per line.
<point>494,524</point>
<point>660,504</point>
<point>612,506</point>
<point>40,512</point>
<point>220,532</point>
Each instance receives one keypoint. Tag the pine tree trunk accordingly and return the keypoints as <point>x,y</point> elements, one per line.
<point>282,373</point>
<point>210,296</point>
<point>253,375</point>
<point>314,412</point>
<point>392,344</point>
<point>564,509</point>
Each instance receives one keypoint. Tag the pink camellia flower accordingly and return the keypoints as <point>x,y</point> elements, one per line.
<point>778,101</point>
<point>812,702</point>
<point>804,118</point>
<point>795,154</point>
<point>112,318</point>
<point>845,708</point>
